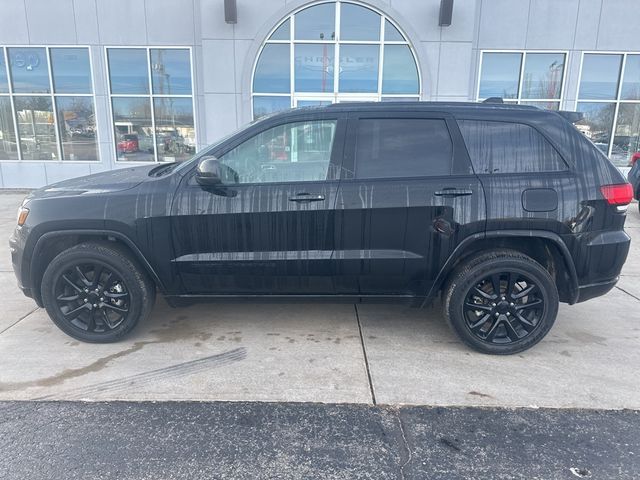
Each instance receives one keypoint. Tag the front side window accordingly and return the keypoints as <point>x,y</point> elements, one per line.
<point>402,147</point>
<point>527,78</point>
<point>294,152</point>
<point>501,147</point>
<point>608,97</point>
<point>47,110</point>
<point>152,103</point>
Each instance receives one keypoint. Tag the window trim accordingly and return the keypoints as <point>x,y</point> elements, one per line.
<point>523,53</point>
<point>52,95</point>
<point>150,96</point>
<point>335,95</point>
<point>617,100</point>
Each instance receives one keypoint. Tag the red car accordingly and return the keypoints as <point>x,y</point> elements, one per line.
<point>634,158</point>
<point>128,144</point>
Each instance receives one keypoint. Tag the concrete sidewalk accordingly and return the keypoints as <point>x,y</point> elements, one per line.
<point>323,353</point>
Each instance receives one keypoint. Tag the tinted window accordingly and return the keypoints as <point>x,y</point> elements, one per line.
<point>499,147</point>
<point>295,152</point>
<point>407,147</point>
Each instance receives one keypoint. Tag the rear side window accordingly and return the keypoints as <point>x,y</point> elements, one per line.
<point>402,147</point>
<point>501,147</point>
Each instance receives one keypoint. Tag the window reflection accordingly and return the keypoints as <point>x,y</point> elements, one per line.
<point>36,128</point>
<point>175,134</point>
<point>29,70</point>
<point>542,75</point>
<point>8,145</point>
<point>128,70</point>
<point>597,123</point>
<point>77,125</point>
<point>133,129</point>
<point>544,105</point>
<point>359,68</point>
<point>391,33</point>
<point>171,71</point>
<point>266,105</point>
<point>4,82</point>
<point>316,23</point>
<point>71,70</point>
<point>314,67</point>
<point>282,32</point>
<point>631,82</point>
<point>599,80</point>
<point>358,23</point>
<point>500,75</point>
<point>272,72</point>
<point>400,74</point>
<point>626,141</point>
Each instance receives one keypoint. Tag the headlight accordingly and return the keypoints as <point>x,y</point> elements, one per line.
<point>23,213</point>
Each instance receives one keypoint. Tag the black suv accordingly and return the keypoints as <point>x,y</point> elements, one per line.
<point>504,210</point>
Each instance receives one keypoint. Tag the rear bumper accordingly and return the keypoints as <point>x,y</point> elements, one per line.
<point>587,292</point>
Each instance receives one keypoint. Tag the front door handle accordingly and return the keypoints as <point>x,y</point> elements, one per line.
<point>306,198</point>
<point>453,192</point>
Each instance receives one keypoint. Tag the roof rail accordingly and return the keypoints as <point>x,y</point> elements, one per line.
<point>493,100</point>
<point>573,117</point>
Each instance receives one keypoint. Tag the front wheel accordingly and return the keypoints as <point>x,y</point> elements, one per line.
<point>501,302</point>
<point>96,293</point>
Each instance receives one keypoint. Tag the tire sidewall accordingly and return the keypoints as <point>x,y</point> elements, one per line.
<point>460,289</point>
<point>75,256</point>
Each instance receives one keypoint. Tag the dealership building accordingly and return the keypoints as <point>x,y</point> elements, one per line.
<point>88,86</point>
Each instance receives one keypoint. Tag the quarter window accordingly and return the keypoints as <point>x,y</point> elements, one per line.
<point>527,78</point>
<point>294,152</point>
<point>47,109</point>
<point>501,147</point>
<point>609,98</point>
<point>402,147</point>
<point>152,103</point>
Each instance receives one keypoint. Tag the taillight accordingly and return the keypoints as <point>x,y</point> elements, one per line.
<point>620,194</point>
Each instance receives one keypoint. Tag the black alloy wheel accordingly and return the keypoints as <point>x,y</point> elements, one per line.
<point>500,301</point>
<point>97,292</point>
<point>503,308</point>
<point>92,297</point>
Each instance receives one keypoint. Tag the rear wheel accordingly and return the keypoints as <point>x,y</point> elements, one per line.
<point>501,302</point>
<point>96,293</point>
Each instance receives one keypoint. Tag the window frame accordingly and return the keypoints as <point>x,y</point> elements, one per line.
<point>149,96</point>
<point>334,96</point>
<point>519,100</point>
<point>617,100</point>
<point>52,96</point>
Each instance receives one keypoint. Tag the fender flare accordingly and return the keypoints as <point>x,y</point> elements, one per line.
<point>546,235</point>
<point>139,256</point>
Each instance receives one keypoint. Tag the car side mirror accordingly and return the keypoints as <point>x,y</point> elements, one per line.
<point>209,172</point>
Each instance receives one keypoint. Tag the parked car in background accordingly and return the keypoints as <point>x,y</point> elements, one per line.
<point>128,143</point>
<point>634,174</point>
<point>501,210</point>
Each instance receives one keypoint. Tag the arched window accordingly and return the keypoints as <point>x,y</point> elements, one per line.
<point>333,52</point>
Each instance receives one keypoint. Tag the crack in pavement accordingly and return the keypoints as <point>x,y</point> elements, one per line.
<point>405,443</point>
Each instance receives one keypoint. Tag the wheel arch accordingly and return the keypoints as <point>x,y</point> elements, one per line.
<point>547,248</point>
<point>53,243</point>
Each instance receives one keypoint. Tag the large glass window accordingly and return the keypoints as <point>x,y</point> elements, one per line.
<point>609,97</point>
<point>407,147</point>
<point>501,147</point>
<point>47,108</point>
<point>152,104</point>
<point>294,152</point>
<point>332,52</point>
<point>528,78</point>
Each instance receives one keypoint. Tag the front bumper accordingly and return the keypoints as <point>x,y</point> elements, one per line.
<point>16,247</point>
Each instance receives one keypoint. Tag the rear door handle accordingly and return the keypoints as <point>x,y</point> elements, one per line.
<point>306,198</point>
<point>453,192</point>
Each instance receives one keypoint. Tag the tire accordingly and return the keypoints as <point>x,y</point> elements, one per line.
<point>101,310</point>
<point>506,323</point>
